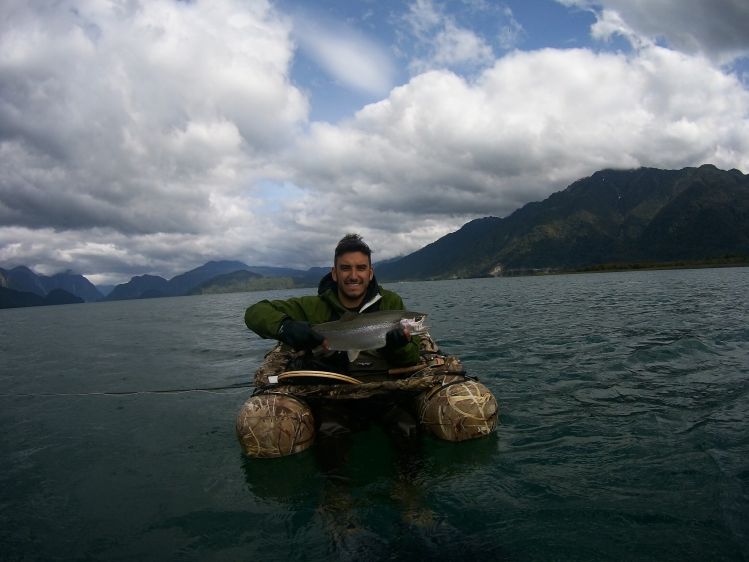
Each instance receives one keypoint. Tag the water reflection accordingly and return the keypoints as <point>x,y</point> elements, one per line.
<point>370,485</point>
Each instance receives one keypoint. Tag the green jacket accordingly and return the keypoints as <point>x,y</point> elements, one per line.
<point>265,317</point>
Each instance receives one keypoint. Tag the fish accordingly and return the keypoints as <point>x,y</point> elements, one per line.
<point>359,332</point>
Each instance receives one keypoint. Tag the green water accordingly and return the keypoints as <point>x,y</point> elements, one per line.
<point>624,403</point>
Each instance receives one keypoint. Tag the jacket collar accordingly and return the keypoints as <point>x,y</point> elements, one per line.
<point>329,289</point>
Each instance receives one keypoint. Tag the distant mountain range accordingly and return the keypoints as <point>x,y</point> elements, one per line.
<point>20,286</point>
<point>614,218</point>
<point>243,281</point>
<point>212,278</point>
<point>10,298</point>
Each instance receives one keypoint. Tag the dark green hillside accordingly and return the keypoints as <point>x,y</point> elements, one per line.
<point>223,276</point>
<point>23,279</point>
<point>242,281</point>
<point>430,262</point>
<point>710,218</point>
<point>183,283</point>
<point>141,286</point>
<point>72,283</point>
<point>10,298</point>
<point>610,217</point>
<point>61,296</point>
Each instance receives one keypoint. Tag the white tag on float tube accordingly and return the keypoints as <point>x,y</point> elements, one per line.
<point>273,379</point>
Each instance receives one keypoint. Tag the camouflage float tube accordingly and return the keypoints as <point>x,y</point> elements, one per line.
<point>277,421</point>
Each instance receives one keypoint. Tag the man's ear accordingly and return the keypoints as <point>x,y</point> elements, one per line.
<point>334,274</point>
<point>371,273</point>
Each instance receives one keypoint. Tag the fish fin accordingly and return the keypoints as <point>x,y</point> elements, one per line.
<point>348,315</point>
<point>352,354</point>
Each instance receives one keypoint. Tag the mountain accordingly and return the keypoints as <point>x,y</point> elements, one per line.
<point>141,286</point>
<point>11,298</point>
<point>196,281</point>
<point>183,283</point>
<point>242,281</point>
<point>217,277</point>
<point>105,289</point>
<point>314,274</point>
<point>186,282</point>
<point>72,283</point>
<point>23,279</point>
<point>61,296</point>
<point>235,281</point>
<point>268,271</point>
<point>613,216</point>
<point>308,278</point>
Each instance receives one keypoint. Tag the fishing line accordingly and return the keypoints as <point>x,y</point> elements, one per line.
<point>236,386</point>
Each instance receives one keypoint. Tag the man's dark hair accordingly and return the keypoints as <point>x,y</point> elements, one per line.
<point>352,243</point>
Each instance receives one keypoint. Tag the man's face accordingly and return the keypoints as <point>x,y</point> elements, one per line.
<point>352,272</point>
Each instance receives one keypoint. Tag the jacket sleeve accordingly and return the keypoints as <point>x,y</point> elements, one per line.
<point>265,317</point>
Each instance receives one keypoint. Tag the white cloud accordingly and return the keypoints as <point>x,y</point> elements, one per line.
<point>151,137</point>
<point>149,112</point>
<point>345,54</point>
<point>423,16</point>
<point>610,24</point>
<point>716,29</point>
<point>455,46</point>
<point>139,117</point>
<point>442,148</point>
<point>442,43</point>
<point>512,33</point>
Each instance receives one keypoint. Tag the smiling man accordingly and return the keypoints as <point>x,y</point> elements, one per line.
<point>349,288</point>
<point>352,274</point>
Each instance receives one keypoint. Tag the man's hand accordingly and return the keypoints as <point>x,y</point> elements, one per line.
<point>299,334</point>
<point>397,337</point>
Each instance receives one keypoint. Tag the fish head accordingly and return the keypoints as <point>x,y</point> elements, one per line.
<point>414,322</point>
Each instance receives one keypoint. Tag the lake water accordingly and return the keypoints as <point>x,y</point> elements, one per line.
<point>624,432</point>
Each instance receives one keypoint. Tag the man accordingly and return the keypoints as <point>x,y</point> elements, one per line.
<point>350,287</point>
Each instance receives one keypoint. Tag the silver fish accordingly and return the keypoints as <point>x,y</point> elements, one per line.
<point>367,331</point>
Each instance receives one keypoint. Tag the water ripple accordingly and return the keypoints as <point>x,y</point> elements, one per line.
<point>623,400</point>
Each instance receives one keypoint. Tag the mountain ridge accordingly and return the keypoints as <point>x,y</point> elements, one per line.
<point>198,280</point>
<point>624,217</point>
<point>11,298</point>
<point>612,216</point>
<point>22,278</point>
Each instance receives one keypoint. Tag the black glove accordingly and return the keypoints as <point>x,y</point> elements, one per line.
<point>299,334</point>
<point>396,338</point>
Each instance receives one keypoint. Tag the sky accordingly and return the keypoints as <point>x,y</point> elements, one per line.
<point>151,136</point>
